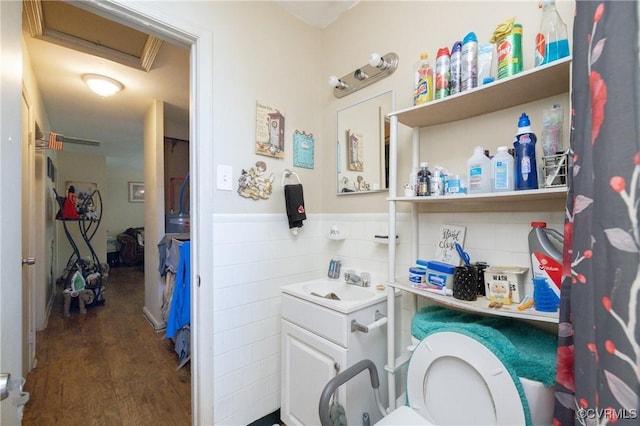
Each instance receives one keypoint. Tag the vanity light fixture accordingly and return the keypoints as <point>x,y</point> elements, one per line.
<point>336,83</point>
<point>378,68</point>
<point>101,85</point>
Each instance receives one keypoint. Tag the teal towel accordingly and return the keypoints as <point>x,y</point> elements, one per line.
<point>525,351</point>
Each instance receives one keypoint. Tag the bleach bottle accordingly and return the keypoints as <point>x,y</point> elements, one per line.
<point>525,149</point>
<point>546,258</point>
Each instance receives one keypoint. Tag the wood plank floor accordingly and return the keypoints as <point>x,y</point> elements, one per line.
<point>108,366</point>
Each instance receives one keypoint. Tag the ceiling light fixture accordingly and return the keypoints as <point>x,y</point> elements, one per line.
<point>376,69</point>
<point>101,85</point>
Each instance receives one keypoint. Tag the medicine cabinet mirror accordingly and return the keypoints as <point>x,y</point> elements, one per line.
<point>363,145</point>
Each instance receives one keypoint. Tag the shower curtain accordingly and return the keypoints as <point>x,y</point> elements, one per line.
<point>598,370</point>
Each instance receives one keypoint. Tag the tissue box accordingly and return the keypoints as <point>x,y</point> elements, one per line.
<point>505,284</point>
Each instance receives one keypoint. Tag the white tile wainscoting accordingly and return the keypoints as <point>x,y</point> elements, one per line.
<point>255,255</point>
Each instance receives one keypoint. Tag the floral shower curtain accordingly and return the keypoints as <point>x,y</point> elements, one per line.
<point>598,375</point>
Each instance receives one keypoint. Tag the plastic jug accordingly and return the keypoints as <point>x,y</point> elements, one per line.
<point>502,170</point>
<point>546,258</point>
<point>478,172</point>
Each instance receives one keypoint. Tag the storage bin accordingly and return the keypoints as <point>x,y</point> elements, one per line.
<point>440,274</point>
<point>505,284</point>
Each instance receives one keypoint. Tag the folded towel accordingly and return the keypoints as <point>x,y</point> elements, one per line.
<point>294,200</point>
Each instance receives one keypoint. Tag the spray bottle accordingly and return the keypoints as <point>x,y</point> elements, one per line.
<point>552,42</point>
<point>525,148</point>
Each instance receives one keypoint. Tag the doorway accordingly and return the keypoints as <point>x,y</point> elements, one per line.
<point>127,16</point>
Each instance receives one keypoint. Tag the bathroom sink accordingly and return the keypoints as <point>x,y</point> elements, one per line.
<point>336,294</point>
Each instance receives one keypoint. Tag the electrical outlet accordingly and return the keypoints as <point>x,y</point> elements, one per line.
<point>225,174</point>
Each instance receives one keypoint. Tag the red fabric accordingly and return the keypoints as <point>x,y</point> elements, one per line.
<point>69,210</point>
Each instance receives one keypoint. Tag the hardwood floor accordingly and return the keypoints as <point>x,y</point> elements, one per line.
<point>108,366</point>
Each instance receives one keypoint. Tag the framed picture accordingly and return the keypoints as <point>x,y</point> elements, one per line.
<point>355,150</point>
<point>136,192</point>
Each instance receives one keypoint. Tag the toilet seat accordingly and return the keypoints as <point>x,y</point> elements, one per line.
<point>454,379</point>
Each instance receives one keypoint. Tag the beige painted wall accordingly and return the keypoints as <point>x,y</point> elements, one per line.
<point>120,214</point>
<point>348,42</point>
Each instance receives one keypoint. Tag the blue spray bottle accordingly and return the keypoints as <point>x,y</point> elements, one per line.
<point>525,148</point>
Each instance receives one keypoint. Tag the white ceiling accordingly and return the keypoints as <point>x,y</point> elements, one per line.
<point>318,14</point>
<point>117,122</point>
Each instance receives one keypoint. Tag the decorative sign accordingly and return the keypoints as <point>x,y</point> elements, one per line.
<point>254,183</point>
<point>269,131</point>
<point>446,246</point>
<point>303,146</point>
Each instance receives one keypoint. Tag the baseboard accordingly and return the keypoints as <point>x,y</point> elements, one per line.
<point>157,325</point>
<point>268,420</point>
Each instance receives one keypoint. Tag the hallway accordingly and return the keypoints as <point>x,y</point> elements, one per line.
<point>107,367</point>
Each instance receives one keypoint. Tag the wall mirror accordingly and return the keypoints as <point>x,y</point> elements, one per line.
<point>363,145</point>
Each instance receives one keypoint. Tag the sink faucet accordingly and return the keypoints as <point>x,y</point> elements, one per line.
<point>361,280</point>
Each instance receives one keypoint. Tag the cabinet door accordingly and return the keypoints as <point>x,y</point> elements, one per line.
<point>307,365</point>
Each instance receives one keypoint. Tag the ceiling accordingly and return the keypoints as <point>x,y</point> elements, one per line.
<point>64,42</point>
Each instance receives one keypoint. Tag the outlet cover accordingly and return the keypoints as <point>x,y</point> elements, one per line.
<point>224,180</point>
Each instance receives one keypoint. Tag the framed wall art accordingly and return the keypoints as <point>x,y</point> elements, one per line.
<point>136,192</point>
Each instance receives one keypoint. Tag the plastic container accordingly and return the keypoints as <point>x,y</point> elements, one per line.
<point>485,62</point>
<point>544,298</point>
<point>417,275</point>
<point>469,62</point>
<point>440,274</point>
<point>552,42</point>
<point>443,73</point>
<point>546,257</point>
<point>424,181</point>
<point>526,171</point>
<point>551,137</point>
<point>455,69</point>
<point>452,185</point>
<point>479,172</point>
<point>502,171</point>
<point>509,47</point>
<point>505,284</point>
<point>423,80</point>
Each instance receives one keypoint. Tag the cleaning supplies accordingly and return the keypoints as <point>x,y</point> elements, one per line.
<point>479,172</point>
<point>508,39</point>
<point>502,171</point>
<point>469,62</point>
<point>443,66</point>
<point>546,258</point>
<point>525,148</point>
<point>456,67</point>
<point>423,80</point>
<point>552,42</point>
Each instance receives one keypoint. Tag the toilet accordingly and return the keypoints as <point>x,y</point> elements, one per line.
<point>454,379</point>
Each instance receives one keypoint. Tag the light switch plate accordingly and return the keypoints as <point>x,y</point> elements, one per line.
<point>224,180</point>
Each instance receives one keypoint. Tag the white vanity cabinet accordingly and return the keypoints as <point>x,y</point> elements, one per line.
<point>528,86</point>
<point>316,339</point>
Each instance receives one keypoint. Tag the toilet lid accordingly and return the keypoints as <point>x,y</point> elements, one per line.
<point>453,379</point>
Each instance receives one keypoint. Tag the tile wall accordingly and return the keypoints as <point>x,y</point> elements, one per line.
<point>255,255</point>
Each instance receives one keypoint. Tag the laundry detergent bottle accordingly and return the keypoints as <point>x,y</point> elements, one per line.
<point>546,257</point>
<point>525,149</point>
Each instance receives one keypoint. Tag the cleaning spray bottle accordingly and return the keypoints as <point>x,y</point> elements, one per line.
<point>552,42</point>
<point>525,148</point>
